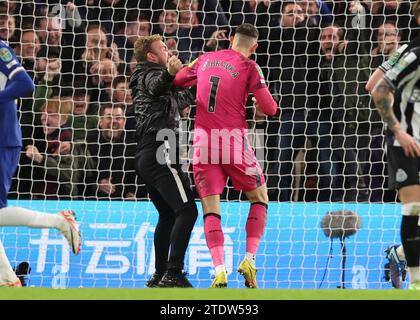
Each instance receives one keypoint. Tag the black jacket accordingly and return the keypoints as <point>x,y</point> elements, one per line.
<point>156,101</point>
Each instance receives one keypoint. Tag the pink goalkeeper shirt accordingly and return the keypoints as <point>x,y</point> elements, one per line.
<point>224,79</point>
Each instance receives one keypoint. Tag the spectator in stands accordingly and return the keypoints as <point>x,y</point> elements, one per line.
<point>320,118</point>
<point>262,11</point>
<point>97,48</point>
<point>112,150</point>
<point>238,12</point>
<point>7,26</point>
<point>387,41</point>
<point>71,40</point>
<point>135,26</point>
<point>344,73</point>
<point>186,42</point>
<point>193,28</point>
<point>101,74</point>
<point>27,50</point>
<point>188,15</point>
<point>208,13</point>
<point>167,21</point>
<point>48,73</point>
<point>49,30</point>
<point>121,94</point>
<point>29,117</point>
<point>85,114</point>
<point>375,13</point>
<point>108,12</point>
<point>167,26</point>
<point>292,50</point>
<point>58,163</point>
<point>44,64</point>
<point>317,12</point>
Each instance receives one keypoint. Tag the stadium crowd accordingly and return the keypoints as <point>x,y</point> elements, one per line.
<point>78,128</point>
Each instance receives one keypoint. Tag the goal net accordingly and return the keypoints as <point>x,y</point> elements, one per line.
<point>323,152</point>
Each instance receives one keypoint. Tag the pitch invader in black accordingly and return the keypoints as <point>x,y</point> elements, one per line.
<point>157,107</point>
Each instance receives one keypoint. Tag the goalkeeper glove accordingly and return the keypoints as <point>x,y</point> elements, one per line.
<point>392,60</point>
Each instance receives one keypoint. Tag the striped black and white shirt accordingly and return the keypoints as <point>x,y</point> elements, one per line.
<point>404,78</point>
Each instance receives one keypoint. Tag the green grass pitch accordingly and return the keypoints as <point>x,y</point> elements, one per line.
<point>203,294</point>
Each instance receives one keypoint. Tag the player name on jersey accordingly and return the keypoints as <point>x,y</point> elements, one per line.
<point>220,64</point>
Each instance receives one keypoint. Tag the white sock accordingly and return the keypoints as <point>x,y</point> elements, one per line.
<point>414,274</point>
<point>6,272</point>
<point>15,216</point>
<point>400,252</point>
<point>251,258</point>
<point>220,268</point>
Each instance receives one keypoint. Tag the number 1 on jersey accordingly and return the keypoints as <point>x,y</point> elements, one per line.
<point>213,92</point>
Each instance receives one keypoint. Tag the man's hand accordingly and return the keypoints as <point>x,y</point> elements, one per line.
<point>33,154</point>
<point>259,115</point>
<point>106,186</point>
<point>64,148</point>
<point>53,68</point>
<point>408,143</point>
<point>216,37</point>
<point>113,53</point>
<point>174,65</point>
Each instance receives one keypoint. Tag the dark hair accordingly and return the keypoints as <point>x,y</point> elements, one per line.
<point>248,30</point>
<point>341,32</point>
<point>105,106</point>
<point>284,4</point>
<point>118,79</point>
<point>392,21</point>
<point>4,8</point>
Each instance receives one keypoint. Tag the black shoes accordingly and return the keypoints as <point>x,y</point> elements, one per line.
<point>174,279</point>
<point>22,271</point>
<point>154,281</point>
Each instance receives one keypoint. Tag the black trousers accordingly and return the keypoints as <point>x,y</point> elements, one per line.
<point>170,191</point>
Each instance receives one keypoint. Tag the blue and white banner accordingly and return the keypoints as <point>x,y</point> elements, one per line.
<point>117,247</point>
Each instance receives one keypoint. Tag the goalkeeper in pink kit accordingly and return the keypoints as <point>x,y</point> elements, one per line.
<point>221,149</point>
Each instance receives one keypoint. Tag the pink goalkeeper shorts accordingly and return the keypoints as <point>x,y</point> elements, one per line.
<point>212,168</point>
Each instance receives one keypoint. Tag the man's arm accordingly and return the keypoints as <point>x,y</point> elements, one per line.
<point>383,98</point>
<point>265,101</point>
<point>158,84</point>
<point>19,82</point>
<point>257,85</point>
<point>187,76</point>
<point>162,83</point>
<point>384,67</point>
<point>20,85</point>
